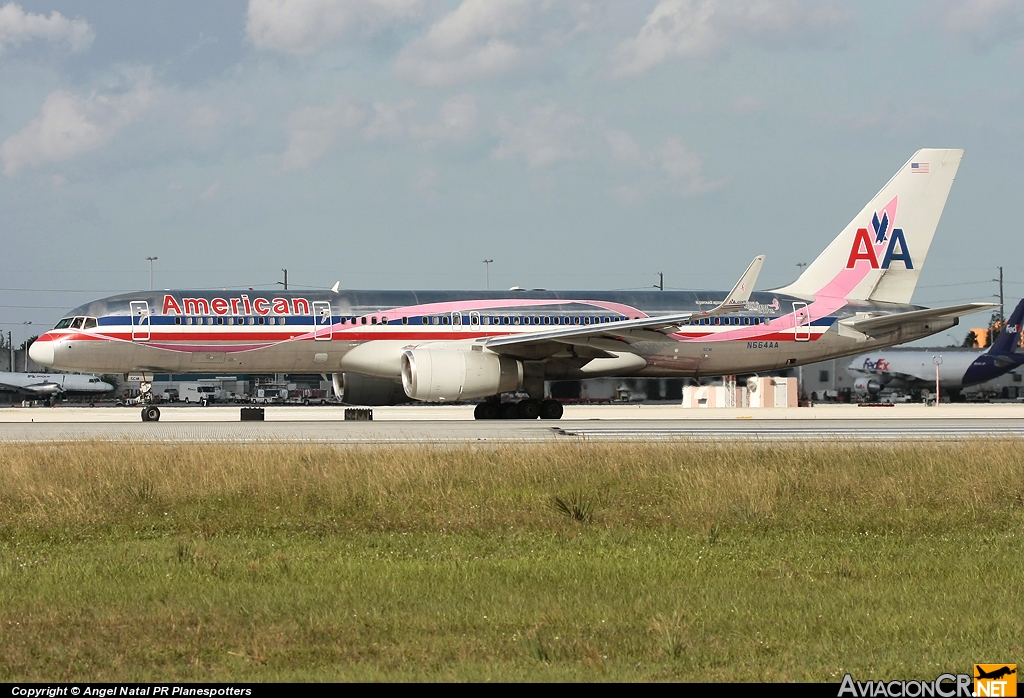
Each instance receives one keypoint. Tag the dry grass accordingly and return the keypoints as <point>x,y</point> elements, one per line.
<point>686,486</point>
<point>663,561</point>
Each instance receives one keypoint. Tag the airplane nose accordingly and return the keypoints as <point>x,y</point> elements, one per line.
<point>41,352</point>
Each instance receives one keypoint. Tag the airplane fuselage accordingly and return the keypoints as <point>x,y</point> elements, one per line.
<point>364,332</point>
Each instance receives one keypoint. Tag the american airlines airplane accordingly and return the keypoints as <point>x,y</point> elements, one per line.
<point>386,347</point>
<point>47,386</point>
<point>915,369</point>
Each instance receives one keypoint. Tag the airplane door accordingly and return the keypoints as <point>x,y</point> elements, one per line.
<point>323,328</point>
<point>140,321</point>
<point>801,322</point>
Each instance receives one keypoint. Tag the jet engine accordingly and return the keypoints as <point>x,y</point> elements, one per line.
<point>357,389</point>
<point>450,374</point>
<point>867,386</point>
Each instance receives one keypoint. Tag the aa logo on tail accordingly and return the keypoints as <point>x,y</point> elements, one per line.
<point>864,249</point>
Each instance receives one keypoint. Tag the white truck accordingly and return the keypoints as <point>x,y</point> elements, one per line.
<point>201,393</point>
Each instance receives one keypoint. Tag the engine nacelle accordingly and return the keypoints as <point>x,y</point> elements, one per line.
<point>357,389</point>
<point>867,386</point>
<point>451,374</point>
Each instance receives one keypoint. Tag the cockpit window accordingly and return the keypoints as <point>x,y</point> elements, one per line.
<point>90,323</point>
<point>76,324</point>
<point>63,324</point>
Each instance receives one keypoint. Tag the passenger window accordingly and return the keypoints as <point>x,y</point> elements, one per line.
<point>373,321</point>
<point>364,320</point>
<point>405,320</point>
<point>252,321</point>
<point>177,321</point>
<point>487,319</point>
<point>280,321</point>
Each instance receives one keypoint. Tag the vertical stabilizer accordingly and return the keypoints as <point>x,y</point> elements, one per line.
<point>1008,340</point>
<point>879,255</point>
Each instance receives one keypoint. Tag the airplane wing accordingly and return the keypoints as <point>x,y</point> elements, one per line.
<point>40,388</point>
<point>885,324</point>
<point>580,334</point>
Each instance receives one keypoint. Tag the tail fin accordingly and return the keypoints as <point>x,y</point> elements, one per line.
<point>1008,340</point>
<point>879,255</point>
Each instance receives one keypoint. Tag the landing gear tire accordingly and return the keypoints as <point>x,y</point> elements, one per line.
<point>551,409</point>
<point>510,410</point>
<point>150,414</point>
<point>486,410</point>
<point>529,409</point>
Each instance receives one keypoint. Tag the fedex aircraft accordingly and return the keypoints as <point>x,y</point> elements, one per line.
<point>914,370</point>
<point>47,386</point>
<point>386,347</point>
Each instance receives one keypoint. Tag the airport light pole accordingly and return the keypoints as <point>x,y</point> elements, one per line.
<point>285,279</point>
<point>661,281</point>
<point>151,260</point>
<point>937,360</point>
<point>27,331</point>
<point>1002,315</point>
<point>487,266</point>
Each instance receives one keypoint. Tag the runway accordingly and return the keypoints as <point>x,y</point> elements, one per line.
<point>455,425</point>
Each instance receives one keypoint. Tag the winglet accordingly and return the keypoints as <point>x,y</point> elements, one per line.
<point>336,286</point>
<point>740,293</point>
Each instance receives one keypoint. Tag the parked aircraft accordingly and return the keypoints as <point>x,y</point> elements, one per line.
<point>915,369</point>
<point>46,386</point>
<point>385,347</point>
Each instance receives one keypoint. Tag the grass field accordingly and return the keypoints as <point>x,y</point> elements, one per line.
<point>572,562</point>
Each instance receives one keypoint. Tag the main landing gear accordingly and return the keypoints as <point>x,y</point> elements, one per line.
<point>150,413</point>
<point>525,409</point>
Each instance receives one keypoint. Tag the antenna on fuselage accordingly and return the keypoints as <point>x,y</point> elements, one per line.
<point>336,286</point>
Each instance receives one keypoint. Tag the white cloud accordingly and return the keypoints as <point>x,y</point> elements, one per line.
<point>212,191</point>
<point>694,28</point>
<point>545,139</point>
<point>312,131</point>
<point>456,119</point>
<point>467,44</point>
<point>685,169</point>
<point>987,22</point>
<point>302,26</point>
<point>386,121</point>
<point>624,148</point>
<point>68,125</point>
<point>18,26</point>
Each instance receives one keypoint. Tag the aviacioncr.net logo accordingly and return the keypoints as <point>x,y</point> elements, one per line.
<point>945,686</point>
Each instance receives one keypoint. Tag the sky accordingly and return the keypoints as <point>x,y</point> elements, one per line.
<point>578,144</point>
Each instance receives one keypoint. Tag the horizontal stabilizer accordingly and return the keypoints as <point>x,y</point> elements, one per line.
<point>886,324</point>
